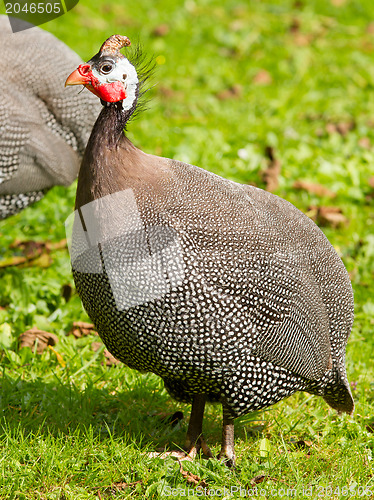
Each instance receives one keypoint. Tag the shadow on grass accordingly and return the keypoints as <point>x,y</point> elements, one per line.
<point>135,413</point>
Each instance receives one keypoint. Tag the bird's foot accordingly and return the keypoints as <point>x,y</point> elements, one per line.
<point>195,446</point>
<point>189,454</point>
<point>228,458</point>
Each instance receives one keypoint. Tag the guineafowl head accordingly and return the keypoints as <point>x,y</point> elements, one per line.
<point>109,74</point>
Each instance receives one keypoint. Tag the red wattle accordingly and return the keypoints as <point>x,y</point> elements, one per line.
<point>111,92</point>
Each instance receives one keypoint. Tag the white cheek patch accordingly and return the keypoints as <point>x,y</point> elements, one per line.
<point>123,67</point>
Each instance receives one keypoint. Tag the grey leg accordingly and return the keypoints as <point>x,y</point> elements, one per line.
<point>227,452</point>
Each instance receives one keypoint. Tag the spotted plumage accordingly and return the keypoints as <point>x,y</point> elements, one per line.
<point>227,292</point>
<point>43,129</point>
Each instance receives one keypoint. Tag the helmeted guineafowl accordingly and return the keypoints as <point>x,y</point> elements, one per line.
<point>43,130</point>
<point>227,292</point>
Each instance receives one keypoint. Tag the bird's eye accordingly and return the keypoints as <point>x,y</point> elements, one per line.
<point>106,68</point>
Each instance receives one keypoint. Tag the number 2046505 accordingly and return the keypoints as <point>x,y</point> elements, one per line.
<point>33,8</point>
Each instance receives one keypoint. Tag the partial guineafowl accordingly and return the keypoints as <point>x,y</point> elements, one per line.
<point>227,292</point>
<point>43,130</point>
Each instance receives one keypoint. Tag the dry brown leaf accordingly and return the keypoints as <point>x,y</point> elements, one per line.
<point>317,189</point>
<point>29,248</point>
<point>237,25</point>
<point>341,128</point>
<point>331,216</point>
<point>303,39</point>
<point>338,3</point>
<point>36,253</point>
<point>120,485</point>
<point>367,46</point>
<point>295,25</point>
<point>327,216</point>
<point>230,93</point>
<point>298,4</point>
<point>192,478</point>
<point>82,329</point>
<point>263,77</point>
<point>13,261</point>
<point>259,479</point>
<point>161,30</point>
<point>271,174</point>
<point>370,28</point>
<point>95,346</point>
<point>364,142</point>
<point>165,91</point>
<point>45,339</point>
<point>110,360</point>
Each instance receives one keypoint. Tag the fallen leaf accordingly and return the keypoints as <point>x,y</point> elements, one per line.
<point>161,30</point>
<point>230,93</point>
<point>122,485</point>
<point>95,346</point>
<point>271,173</point>
<point>29,248</point>
<point>263,77</point>
<point>317,189</point>
<point>327,216</point>
<point>298,4</point>
<point>192,478</point>
<point>303,39</point>
<point>110,360</point>
<point>12,261</point>
<point>82,329</point>
<point>331,216</point>
<point>295,25</point>
<point>237,25</point>
<point>364,142</point>
<point>367,45</point>
<point>258,479</point>
<point>165,91</point>
<point>370,28</point>
<point>60,359</point>
<point>341,128</point>
<point>45,339</point>
<point>36,253</point>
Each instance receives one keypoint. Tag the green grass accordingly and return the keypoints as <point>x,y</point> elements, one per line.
<point>72,428</point>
